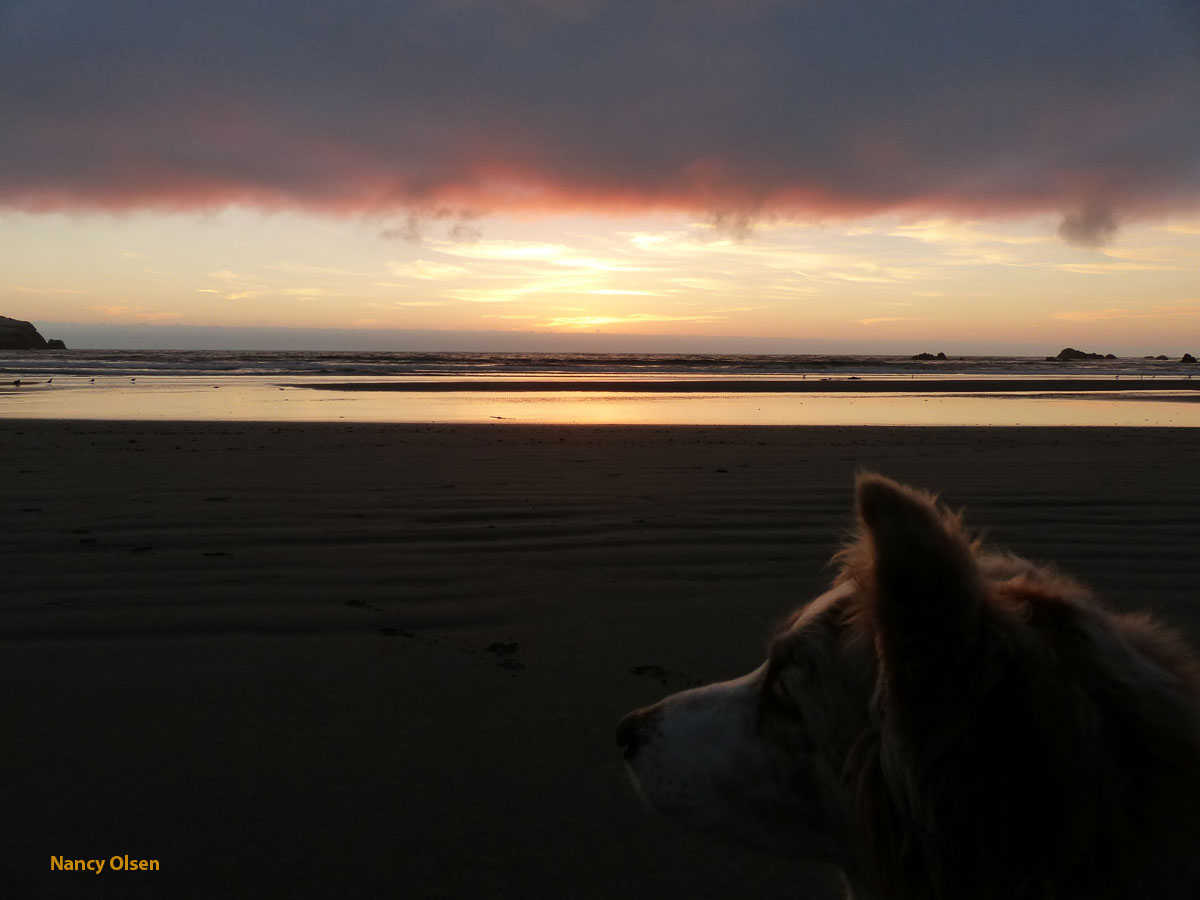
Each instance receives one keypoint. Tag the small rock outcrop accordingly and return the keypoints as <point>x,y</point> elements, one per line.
<point>927,356</point>
<point>1070,354</point>
<point>1188,359</point>
<point>18,335</point>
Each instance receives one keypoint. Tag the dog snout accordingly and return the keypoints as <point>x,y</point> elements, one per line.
<point>633,730</point>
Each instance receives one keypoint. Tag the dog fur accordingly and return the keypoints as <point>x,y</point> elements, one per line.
<point>946,722</point>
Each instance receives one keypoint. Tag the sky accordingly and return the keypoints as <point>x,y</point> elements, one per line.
<point>540,174</point>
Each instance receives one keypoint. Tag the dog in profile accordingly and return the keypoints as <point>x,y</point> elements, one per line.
<point>946,722</point>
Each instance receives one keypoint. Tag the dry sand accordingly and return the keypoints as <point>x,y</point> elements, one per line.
<point>377,661</point>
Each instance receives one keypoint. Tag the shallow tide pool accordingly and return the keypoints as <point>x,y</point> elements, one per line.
<point>249,398</point>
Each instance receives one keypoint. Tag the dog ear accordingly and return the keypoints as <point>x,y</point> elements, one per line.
<point>925,585</point>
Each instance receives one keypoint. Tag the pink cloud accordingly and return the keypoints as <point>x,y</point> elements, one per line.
<point>1087,109</point>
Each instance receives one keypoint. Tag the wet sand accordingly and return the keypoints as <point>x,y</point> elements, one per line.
<point>815,385</point>
<point>315,660</point>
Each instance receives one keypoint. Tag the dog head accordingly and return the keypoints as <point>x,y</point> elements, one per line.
<point>942,722</point>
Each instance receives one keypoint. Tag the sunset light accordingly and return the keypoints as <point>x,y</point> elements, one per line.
<point>886,281</point>
<point>415,415</point>
<point>815,189</point>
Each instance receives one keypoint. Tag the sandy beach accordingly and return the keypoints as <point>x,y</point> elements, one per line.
<point>818,385</point>
<point>360,660</point>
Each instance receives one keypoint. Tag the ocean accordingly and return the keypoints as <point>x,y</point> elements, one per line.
<point>590,388</point>
<point>285,364</point>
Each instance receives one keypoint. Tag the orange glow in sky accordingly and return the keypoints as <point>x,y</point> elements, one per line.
<point>939,284</point>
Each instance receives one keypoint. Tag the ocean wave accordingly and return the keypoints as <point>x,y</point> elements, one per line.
<point>99,363</point>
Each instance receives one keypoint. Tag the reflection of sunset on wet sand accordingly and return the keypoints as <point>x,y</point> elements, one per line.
<point>251,398</point>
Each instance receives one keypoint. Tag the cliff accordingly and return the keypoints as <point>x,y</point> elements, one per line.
<point>18,335</point>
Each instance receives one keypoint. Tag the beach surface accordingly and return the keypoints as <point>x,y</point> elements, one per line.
<point>368,660</point>
<point>586,401</point>
<point>817,385</point>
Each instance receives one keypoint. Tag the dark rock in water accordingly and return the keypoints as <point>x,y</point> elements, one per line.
<point>1069,354</point>
<point>1162,356</point>
<point>18,335</point>
<point>925,356</point>
<point>1188,359</point>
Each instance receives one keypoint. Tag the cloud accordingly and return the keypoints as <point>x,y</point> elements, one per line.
<point>427,270</point>
<point>597,321</point>
<point>1162,311</point>
<point>417,221</point>
<point>22,289</point>
<point>1110,268</point>
<point>1092,226</point>
<point>432,112</point>
<point>1100,315</point>
<point>293,268</point>
<point>136,314</point>
<point>504,250</point>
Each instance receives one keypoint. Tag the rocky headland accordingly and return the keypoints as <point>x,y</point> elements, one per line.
<point>18,335</point>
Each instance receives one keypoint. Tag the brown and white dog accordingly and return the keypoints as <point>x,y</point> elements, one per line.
<point>946,722</point>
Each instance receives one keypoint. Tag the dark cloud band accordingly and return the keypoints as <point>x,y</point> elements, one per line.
<point>1091,107</point>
